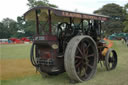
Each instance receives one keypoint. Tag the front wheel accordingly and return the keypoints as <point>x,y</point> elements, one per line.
<point>81,58</point>
<point>111,59</point>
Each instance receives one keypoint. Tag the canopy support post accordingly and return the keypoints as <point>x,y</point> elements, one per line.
<point>37,23</point>
<point>70,20</point>
<point>49,19</point>
<point>82,25</point>
<point>100,28</point>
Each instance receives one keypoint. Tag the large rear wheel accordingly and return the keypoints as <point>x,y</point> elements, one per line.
<point>81,58</point>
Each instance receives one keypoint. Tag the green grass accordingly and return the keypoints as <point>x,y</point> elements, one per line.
<point>119,76</point>
<point>15,51</point>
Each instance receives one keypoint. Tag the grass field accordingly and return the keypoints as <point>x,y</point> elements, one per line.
<point>16,69</point>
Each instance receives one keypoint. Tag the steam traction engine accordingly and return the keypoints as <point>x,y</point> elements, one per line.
<point>69,41</point>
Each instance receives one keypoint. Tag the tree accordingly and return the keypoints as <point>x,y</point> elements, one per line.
<point>8,28</point>
<point>115,23</point>
<point>126,18</point>
<point>3,32</point>
<point>26,28</point>
<point>34,3</point>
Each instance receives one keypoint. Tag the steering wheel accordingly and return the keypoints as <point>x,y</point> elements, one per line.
<point>65,29</point>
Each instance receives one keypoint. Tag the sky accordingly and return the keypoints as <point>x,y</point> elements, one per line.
<point>14,8</point>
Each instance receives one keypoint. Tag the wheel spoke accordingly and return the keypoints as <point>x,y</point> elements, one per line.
<point>83,48</point>
<point>85,74</point>
<point>85,67</point>
<point>77,52</point>
<point>80,70</point>
<point>78,57</point>
<point>87,48</point>
<point>78,64</point>
<point>90,55</point>
<point>109,65</point>
<point>80,51</point>
<point>89,66</point>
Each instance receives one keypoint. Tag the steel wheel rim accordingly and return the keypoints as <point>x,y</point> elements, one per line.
<point>84,59</point>
<point>112,60</point>
<point>70,54</point>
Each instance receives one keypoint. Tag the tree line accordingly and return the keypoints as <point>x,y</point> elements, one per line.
<point>118,21</point>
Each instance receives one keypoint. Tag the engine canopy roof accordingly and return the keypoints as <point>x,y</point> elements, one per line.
<point>60,15</point>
